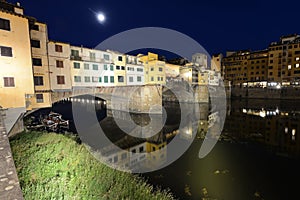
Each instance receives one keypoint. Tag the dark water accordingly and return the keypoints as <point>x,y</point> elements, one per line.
<point>257,156</point>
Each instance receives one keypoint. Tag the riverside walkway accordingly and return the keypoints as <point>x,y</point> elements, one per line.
<point>9,183</point>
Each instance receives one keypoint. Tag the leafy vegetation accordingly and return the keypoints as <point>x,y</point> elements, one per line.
<point>54,166</point>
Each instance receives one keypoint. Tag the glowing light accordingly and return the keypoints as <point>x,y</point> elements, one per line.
<point>101,17</point>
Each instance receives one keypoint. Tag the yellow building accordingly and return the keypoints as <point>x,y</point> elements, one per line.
<point>216,62</point>
<point>16,83</point>
<point>235,67</point>
<point>39,40</point>
<point>172,71</point>
<point>258,68</point>
<point>154,69</point>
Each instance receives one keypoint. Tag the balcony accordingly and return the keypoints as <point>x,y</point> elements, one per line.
<point>78,58</point>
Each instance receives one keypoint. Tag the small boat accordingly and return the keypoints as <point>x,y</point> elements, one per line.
<point>54,122</point>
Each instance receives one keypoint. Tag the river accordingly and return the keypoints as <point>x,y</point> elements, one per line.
<point>256,157</point>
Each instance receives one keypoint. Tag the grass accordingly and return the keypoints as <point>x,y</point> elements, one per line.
<point>54,166</point>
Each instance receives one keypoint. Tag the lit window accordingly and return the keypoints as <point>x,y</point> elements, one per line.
<point>297,58</point>
<point>297,65</point>
<point>289,67</point>
<point>293,132</point>
<point>286,130</point>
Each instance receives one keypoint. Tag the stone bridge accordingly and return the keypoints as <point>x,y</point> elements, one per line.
<point>136,99</point>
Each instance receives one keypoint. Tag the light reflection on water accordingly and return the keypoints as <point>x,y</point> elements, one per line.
<point>256,158</point>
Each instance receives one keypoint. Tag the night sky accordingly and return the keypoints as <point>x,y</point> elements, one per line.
<point>217,25</point>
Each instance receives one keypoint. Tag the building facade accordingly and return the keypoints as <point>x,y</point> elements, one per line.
<point>59,66</point>
<point>154,69</point>
<point>16,75</point>
<point>134,71</point>
<point>40,62</point>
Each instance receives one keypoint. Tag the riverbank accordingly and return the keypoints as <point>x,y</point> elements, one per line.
<point>54,166</point>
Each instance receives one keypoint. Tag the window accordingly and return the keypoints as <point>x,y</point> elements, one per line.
<point>152,78</point>
<point>105,79</point>
<point>160,69</point>
<point>121,79</point>
<point>76,65</point>
<point>86,66</point>
<point>106,57</point>
<point>130,68</point>
<point>112,79</point>
<point>6,51</point>
<point>59,64</point>
<point>37,62</point>
<point>139,79</point>
<point>152,69</point>
<point>35,43</point>
<point>123,156</point>
<point>36,27</point>
<point>95,79</point>
<point>60,80</point>
<point>297,65</point>
<point>141,149</point>
<point>38,81</point>
<point>92,56</point>
<point>95,67</point>
<point>162,78</point>
<point>87,79</point>
<point>111,68</point>
<point>9,82</point>
<point>74,53</point>
<point>271,61</point>
<point>130,79</point>
<point>58,48</point>
<point>120,58</point>
<point>297,58</point>
<point>122,67</point>
<point>77,79</point>
<point>4,24</point>
<point>140,69</point>
<point>100,79</point>
<point>39,98</point>
<point>118,67</point>
<point>289,67</point>
<point>158,78</point>
<point>105,67</point>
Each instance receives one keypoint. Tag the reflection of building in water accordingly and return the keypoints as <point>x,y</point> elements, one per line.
<point>276,129</point>
<point>141,155</point>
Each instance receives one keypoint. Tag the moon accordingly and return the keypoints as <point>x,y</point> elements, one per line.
<point>101,17</point>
